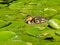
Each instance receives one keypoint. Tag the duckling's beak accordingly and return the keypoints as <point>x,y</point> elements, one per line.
<point>29,19</point>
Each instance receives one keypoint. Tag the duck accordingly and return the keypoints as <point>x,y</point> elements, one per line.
<point>35,20</point>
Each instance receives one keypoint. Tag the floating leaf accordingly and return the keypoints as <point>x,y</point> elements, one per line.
<point>4,23</point>
<point>16,5</point>
<point>54,23</point>
<point>5,35</point>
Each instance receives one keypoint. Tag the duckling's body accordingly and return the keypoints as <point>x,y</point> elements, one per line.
<point>40,19</point>
<point>36,19</point>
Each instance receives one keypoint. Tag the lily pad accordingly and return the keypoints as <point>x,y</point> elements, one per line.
<point>4,23</point>
<point>54,23</point>
<point>16,5</point>
<point>35,29</point>
<point>56,17</point>
<point>49,12</point>
<point>13,42</point>
<point>5,35</point>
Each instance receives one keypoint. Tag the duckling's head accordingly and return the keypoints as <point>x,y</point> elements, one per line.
<point>28,19</point>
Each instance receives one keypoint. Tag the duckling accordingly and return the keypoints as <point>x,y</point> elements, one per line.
<point>29,19</point>
<point>36,19</point>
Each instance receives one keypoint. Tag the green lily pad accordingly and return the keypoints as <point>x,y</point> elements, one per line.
<point>32,30</point>
<point>16,5</point>
<point>7,1</point>
<point>54,23</point>
<point>57,33</point>
<point>4,23</point>
<point>13,42</point>
<point>49,12</point>
<point>24,1</point>
<point>56,17</point>
<point>47,34</point>
<point>35,29</point>
<point>5,35</point>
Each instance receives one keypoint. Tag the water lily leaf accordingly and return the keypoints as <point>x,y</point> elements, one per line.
<point>4,23</point>
<point>57,32</point>
<point>35,29</point>
<point>5,0</point>
<point>16,5</point>
<point>13,42</point>
<point>32,31</point>
<point>57,35</point>
<point>56,17</point>
<point>36,12</point>
<point>54,23</point>
<point>47,34</point>
<point>44,42</point>
<point>24,1</point>
<point>49,12</point>
<point>5,35</point>
<point>29,43</point>
<point>15,26</point>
